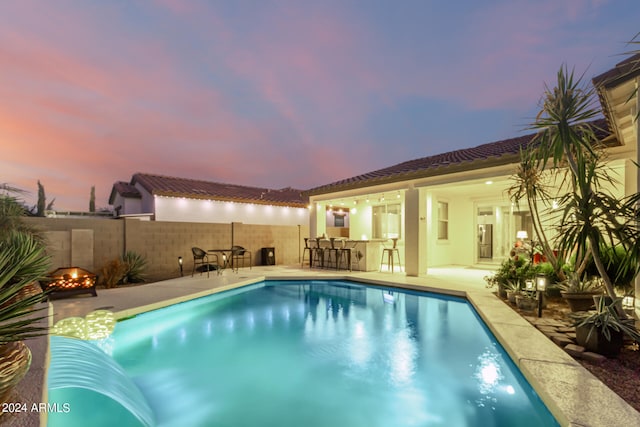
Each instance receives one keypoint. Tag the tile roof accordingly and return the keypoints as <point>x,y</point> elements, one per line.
<point>485,155</point>
<point>125,189</point>
<point>623,70</point>
<point>183,187</point>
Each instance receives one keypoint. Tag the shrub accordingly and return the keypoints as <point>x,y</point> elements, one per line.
<point>112,273</point>
<point>135,266</point>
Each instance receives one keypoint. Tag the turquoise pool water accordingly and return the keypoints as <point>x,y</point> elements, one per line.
<point>303,353</point>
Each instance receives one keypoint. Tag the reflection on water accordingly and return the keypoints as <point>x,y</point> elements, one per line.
<point>324,353</point>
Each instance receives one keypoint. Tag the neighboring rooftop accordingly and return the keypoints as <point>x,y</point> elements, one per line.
<point>160,185</point>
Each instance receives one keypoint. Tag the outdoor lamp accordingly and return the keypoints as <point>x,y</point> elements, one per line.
<point>628,302</point>
<point>180,264</point>
<point>528,285</point>
<point>541,286</point>
<point>522,234</point>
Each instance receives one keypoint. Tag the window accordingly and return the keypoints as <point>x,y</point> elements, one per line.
<point>386,221</point>
<point>443,221</point>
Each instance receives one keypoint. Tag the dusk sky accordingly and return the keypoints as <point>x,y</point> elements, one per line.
<point>276,94</point>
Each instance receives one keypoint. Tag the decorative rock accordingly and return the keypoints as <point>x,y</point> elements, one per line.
<point>547,329</point>
<point>567,329</point>
<point>562,340</point>
<point>595,358</point>
<point>574,350</point>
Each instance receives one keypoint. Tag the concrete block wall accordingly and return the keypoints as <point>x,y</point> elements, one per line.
<point>162,242</point>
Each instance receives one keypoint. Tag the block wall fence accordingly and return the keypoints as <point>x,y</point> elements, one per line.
<point>91,243</point>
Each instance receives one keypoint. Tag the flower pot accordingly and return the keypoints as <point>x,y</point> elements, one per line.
<point>526,303</point>
<point>579,301</point>
<point>15,359</point>
<point>597,342</point>
<point>511,296</point>
<point>502,291</point>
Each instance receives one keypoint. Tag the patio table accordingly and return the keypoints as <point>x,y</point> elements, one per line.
<point>226,259</point>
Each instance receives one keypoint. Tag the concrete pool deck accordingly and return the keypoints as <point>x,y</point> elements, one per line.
<point>574,395</point>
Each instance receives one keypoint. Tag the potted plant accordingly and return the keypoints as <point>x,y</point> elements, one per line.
<point>579,293</point>
<point>602,331</point>
<point>22,263</point>
<point>513,270</point>
<point>526,301</point>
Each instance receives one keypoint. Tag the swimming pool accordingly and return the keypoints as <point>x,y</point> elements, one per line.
<point>311,353</point>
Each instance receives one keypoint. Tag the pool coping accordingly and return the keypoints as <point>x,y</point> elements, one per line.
<point>574,396</point>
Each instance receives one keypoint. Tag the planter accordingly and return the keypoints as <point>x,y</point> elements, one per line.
<point>511,296</point>
<point>502,291</point>
<point>579,301</point>
<point>597,342</point>
<point>526,303</point>
<point>15,359</point>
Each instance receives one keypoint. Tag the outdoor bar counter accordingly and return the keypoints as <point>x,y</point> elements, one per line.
<point>366,254</point>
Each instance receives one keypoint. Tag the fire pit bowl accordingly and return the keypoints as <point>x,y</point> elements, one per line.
<point>69,281</point>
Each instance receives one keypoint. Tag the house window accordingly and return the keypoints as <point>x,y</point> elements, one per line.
<point>443,221</point>
<point>386,221</point>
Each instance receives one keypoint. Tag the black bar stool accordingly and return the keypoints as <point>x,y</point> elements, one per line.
<point>344,256</point>
<point>307,249</point>
<point>391,253</point>
<point>332,250</point>
<point>317,254</point>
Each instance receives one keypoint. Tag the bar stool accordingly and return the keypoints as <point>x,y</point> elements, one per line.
<point>344,256</point>
<point>317,254</point>
<point>307,249</point>
<point>332,250</point>
<point>391,253</point>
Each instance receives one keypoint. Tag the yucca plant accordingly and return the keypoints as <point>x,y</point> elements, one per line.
<point>590,217</point>
<point>22,262</point>
<point>135,266</point>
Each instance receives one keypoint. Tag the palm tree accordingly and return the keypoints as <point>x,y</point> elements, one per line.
<point>590,217</point>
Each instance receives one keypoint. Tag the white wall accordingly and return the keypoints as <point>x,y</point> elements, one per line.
<point>195,210</point>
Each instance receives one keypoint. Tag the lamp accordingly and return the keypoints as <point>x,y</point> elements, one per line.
<point>522,234</point>
<point>541,286</point>
<point>180,264</point>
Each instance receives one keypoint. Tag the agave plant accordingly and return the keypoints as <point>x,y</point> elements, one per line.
<point>135,266</point>
<point>22,261</point>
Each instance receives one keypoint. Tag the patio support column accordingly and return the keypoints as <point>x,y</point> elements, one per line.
<point>636,128</point>
<point>415,260</point>
<point>317,219</point>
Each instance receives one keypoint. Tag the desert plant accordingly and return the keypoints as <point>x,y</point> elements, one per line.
<point>112,273</point>
<point>606,319</point>
<point>575,284</point>
<point>135,266</point>
<point>589,216</point>
<point>22,262</point>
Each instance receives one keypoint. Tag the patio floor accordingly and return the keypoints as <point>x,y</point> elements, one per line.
<point>574,396</point>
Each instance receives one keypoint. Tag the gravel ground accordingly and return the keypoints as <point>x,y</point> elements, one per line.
<point>621,374</point>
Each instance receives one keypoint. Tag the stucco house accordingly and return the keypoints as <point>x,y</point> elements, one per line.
<point>164,198</point>
<point>453,208</point>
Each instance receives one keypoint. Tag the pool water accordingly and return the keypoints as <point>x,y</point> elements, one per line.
<point>311,353</point>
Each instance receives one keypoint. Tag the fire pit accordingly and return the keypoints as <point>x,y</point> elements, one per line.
<point>70,281</point>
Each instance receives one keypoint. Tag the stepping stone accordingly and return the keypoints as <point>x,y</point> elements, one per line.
<point>562,341</point>
<point>594,358</point>
<point>574,350</point>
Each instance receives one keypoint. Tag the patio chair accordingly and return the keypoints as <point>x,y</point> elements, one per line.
<point>200,258</point>
<point>238,253</point>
